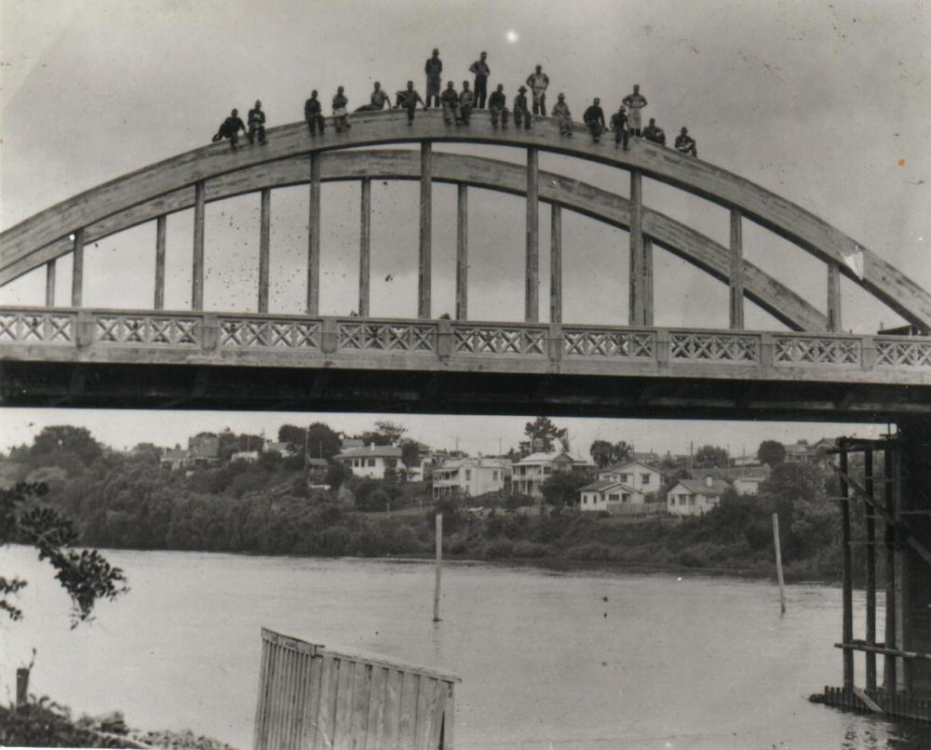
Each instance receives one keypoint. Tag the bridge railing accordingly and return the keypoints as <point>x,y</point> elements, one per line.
<point>252,338</point>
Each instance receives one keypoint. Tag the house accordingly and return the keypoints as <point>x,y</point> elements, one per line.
<point>746,480</point>
<point>749,484</point>
<point>470,476</point>
<point>638,475</point>
<point>371,461</point>
<point>529,474</point>
<point>694,497</point>
<point>611,496</point>
<point>348,444</point>
<point>173,458</point>
<point>249,456</point>
<point>273,446</point>
<point>202,451</point>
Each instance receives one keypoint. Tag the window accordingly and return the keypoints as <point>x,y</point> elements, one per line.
<point>585,500</point>
<point>494,476</point>
<point>546,469</point>
<point>613,498</point>
<point>468,475</point>
<point>644,478</point>
<point>625,497</point>
<point>624,478</point>
<point>371,461</point>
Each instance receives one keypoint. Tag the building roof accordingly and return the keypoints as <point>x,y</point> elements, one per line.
<point>318,462</point>
<point>700,486</point>
<point>372,451</point>
<point>547,458</point>
<point>470,463</point>
<point>174,454</point>
<point>627,464</point>
<point>605,485</point>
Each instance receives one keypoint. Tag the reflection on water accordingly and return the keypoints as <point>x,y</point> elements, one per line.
<point>580,660</point>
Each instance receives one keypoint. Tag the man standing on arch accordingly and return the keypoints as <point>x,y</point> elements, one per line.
<point>538,82</point>
<point>482,71</point>
<point>434,71</point>
<point>635,102</point>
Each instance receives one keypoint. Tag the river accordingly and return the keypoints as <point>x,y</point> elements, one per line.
<point>548,660</point>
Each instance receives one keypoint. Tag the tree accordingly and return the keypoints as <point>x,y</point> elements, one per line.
<point>622,451</point>
<point>86,576</point>
<point>337,473</point>
<point>771,452</point>
<point>385,433</point>
<point>542,433</point>
<point>602,453</point>
<point>410,453</point>
<point>710,457</point>
<point>563,488</point>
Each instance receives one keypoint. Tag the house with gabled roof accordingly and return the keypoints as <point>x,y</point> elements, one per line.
<point>695,497</point>
<point>529,474</point>
<point>610,496</point>
<point>371,461</point>
<point>639,475</point>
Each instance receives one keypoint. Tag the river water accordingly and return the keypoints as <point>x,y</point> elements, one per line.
<point>548,660</point>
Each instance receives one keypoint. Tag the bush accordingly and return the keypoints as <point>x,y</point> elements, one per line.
<point>499,549</point>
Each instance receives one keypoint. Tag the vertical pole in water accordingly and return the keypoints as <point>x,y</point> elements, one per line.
<point>439,567</point>
<point>782,583</point>
<point>870,571</point>
<point>889,676</point>
<point>847,633</point>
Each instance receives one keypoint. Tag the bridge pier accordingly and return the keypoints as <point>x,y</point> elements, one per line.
<point>161,230</point>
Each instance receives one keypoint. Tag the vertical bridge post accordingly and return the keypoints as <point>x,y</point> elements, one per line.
<point>265,227</point>
<point>847,594</point>
<point>889,672</point>
<point>197,272</point>
<point>161,228</point>
<point>737,271</point>
<point>462,254</point>
<point>313,239</point>
<point>647,291</point>
<point>424,276</point>
<point>555,263</point>
<point>365,246</point>
<point>635,315</point>
<point>835,325</point>
<point>77,271</point>
<point>532,265</point>
<point>870,523</point>
<point>50,283</point>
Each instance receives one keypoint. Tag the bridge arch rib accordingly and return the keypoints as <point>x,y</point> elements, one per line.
<point>29,238</point>
<point>489,174</point>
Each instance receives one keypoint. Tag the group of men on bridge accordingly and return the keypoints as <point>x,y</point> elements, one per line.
<point>458,105</point>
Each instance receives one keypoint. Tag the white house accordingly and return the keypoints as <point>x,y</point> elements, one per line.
<point>371,461</point>
<point>636,474</point>
<point>470,476</point>
<point>749,484</point>
<point>611,496</point>
<point>529,474</point>
<point>694,497</point>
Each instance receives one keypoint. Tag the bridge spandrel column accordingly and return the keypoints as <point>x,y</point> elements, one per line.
<point>737,271</point>
<point>313,239</point>
<point>365,247</point>
<point>835,323</point>
<point>462,254</point>
<point>647,281</point>
<point>197,271</point>
<point>265,227</point>
<point>913,571</point>
<point>635,314</point>
<point>50,283</point>
<point>532,263</point>
<point>425,260</point>
<point>555,263</point>
<point>161,232</point>
<point>77,270</point>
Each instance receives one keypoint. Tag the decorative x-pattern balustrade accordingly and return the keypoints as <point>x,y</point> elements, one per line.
<point>147,329</point>
<point>817,350</point>
<point>37,327</point>
<point>903,353</point>
<point>623,344</point>
<point>499,340</point>
<point>403,337</point>
<point>269,334</point>
<point>714,347</point>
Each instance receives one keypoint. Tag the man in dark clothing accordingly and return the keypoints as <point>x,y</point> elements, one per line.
<point>466,100</point>
<point>230,129</point>
<point>450,101</point>
<point>620,128</point>
<point>434,71</point>
<point>256,120</point>
<point>685,143</point>
<point>498,106</point>
<point>594,118</point>
<point>655,133</point>
<point>313,113</point>
<point>340,114</point>
<point>378,100</point>
<point>407,99</point>
<point>482,71</point>
<point>521,112</point>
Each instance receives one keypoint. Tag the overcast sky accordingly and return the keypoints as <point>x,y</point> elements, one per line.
<point>825,103</point>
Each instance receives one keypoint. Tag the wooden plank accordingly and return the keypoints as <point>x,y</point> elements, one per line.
<point>161,239</point>
<point>635,312</point>
<point>50,283</point>
<point>426,713</point>
<point>361,695</point>
<point>425,257</point>
<point>375,737</point>
<point>326,718</point>
<point>274,696</point>
<point>310,734</point>
<point>647,290</point>
<point>258,737</point>
<point>870,527</point>
<point>441,689</point>
<point>835,324</point>
<point>737,271</point>
<point>600,205</point>
<point>197,270</point>
<point>847,594</point>
<point>77,270</point>
<point>365,247</point>
<point>867,701</point>
<point>532,260</point>
<point>391,728</point>
<point>265,228</point>
<point>889,663</point>
<point>449,718</point>
<point>410,694</point>
<point>344,692</point>
<point>462,253</point>
<point>555,264</point>
<point>313,239</point>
